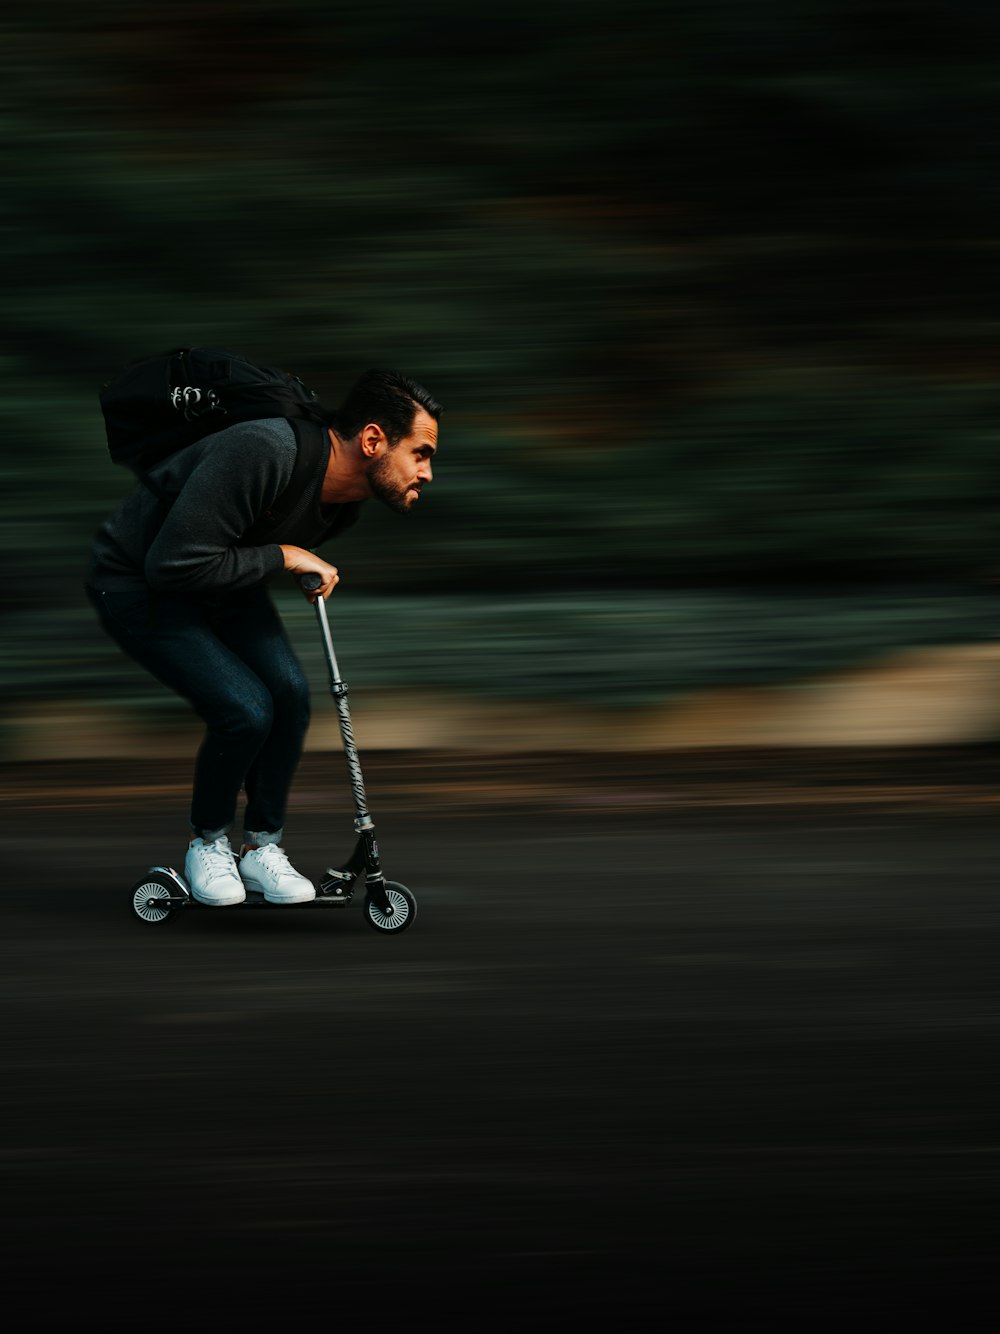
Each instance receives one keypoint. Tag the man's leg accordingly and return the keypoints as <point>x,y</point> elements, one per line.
<point>251,627</point>
<point>173,639</point>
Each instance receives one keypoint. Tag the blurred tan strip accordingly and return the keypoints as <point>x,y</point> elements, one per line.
<point>914,697</point>
<point>97,795</point>
<point>454,798</point>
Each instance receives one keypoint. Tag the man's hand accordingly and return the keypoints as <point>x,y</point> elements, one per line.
<point>299,561</point>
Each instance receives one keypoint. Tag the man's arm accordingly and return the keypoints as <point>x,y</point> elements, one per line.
<point>196,549</point>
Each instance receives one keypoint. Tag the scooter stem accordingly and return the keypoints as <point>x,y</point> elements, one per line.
<point>338,689</point>
<point>366,852</point>
<point>331,657</point>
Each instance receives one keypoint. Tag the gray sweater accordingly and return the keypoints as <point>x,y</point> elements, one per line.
<point>223,484</point>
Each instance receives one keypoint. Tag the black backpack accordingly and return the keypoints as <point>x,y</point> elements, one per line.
<point>161,404</point>
<point>158,405</point>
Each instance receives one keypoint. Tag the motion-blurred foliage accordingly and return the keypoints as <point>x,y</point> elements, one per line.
<point>706,289</point>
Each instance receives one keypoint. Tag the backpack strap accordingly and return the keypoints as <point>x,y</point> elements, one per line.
<point>313,450</point>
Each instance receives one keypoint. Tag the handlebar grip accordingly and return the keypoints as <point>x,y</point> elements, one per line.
<point>310,582</point>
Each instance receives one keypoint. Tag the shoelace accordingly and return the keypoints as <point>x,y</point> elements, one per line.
<point>275,858</point>
<point>218,858</point>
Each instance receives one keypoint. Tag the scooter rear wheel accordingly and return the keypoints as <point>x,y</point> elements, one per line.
<point>402,909</point>
<point>151,900</point>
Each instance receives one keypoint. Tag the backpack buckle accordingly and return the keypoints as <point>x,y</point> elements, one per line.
<point>193,402</point>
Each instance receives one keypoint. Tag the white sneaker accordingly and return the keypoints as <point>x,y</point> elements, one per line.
<point>212,874</point>
<point>268,870</point>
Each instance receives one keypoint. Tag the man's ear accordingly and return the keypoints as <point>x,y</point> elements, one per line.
<point>372,436</point>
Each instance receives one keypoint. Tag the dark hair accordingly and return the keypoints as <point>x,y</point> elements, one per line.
<point>387,398</point>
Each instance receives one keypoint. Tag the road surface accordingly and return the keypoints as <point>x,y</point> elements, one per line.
<point>688,1043</point>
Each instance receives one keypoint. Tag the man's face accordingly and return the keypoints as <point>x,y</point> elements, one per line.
<point>396,475</point>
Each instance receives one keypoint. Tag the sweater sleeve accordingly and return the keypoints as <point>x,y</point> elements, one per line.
<point>196,549</point>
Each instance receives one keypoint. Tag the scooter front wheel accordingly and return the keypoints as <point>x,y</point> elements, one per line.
<point>399,913</point>
<point>154,900</point>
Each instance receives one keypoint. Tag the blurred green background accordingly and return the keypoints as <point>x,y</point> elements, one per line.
<point>707,291</point>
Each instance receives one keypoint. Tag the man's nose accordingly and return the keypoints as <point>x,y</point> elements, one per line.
<point>424,473</point>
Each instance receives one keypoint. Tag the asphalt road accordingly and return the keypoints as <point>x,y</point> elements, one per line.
<point>693,1051</point>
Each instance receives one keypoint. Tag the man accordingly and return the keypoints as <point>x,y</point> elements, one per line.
<point>184,594</point>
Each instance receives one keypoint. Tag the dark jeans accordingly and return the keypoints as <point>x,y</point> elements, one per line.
<point>230,657</point>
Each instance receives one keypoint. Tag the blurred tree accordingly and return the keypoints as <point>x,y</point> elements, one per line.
<point>706,289</point>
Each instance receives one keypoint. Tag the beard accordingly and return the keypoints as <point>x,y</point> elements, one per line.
<point>384,488</point>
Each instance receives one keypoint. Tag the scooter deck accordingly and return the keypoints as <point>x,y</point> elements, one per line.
<point>259,901</point>
<point>183,897</point>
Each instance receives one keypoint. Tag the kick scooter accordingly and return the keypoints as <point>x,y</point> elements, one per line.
<point>389,907</point>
